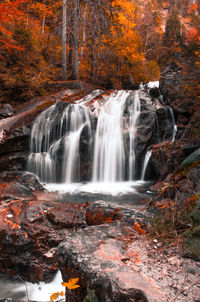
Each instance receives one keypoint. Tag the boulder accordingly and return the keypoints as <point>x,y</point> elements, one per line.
<point>6,111</point>
<point>168,156</point>
<point>14,185</point>
<point>98,256</point>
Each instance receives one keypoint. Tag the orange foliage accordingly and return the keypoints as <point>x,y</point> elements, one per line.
<point>123,39</point>
<point>138,228</point>
<point>193,8</point>
<point>10,11</point>
<point>192,34</point>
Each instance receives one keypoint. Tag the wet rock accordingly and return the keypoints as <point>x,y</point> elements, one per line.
<point>14,185</point>
<point>67,216</point>
<point>98,215</point>
<point>166,158</point>
<point>97,256</point>
<point>34,223</point>
<point>6,111</point>
<point>28,238</point>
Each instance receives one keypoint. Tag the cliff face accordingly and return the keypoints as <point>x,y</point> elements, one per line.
<point>180,89</point>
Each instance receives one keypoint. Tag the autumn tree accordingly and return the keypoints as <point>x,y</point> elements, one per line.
<point>172,33</point>
<point>10,12</point>
<point>149,21</point>
<point>123,41</point>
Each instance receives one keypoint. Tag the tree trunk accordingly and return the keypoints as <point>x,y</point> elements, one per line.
<point>64,73</point>
<point>76,42</point>
<point>43,23</point>
<point>84,34</point>
<point>92,74</point>
<point>70,43</point>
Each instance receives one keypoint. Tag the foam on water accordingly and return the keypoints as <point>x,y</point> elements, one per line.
<point>111,188</point>
<point>153,84</point>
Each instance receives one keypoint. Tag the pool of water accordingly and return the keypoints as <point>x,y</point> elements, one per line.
<point>120,193</point>
<point>18,290</point>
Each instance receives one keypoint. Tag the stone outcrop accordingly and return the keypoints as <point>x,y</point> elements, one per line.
<point>179,87</point>
<point>34,222</point>
<point>101,258</point>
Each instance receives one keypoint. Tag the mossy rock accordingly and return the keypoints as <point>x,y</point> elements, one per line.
<point>191,160</point>
<point>192,243</point>
<point>196,213</point>
<point>91,297</point>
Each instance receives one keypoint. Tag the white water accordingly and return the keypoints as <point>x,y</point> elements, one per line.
<point>174,124</point>
<point>153,84</point>
<point>43,291</point>
<point>102,133</point>
<point>134,115</point>
<point>145,164</point>
<point>79,118</point>
<point>111,188</point>
<point>109,154</point>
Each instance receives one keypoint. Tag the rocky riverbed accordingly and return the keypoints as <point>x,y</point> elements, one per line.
<point>100,243</point>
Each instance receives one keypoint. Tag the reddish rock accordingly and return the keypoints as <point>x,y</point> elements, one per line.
<point>100,257</point>
<point>95,216</point>
<point>67,215</point>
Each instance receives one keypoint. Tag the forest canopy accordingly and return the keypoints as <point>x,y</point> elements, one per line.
<point>103,42</point>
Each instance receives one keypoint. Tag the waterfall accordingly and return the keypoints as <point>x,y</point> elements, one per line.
<point>57,134</point>
<point>97,139</point>
<point>39,160</point>
<point>145,164</point>
<point>134,115</point>
<point>109,153</point>
<point>173,124</point>
<point>79,117</point>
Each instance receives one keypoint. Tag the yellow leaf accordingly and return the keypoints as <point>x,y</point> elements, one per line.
<point>71,284</point>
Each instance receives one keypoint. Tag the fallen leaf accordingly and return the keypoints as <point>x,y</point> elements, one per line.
<point>54,296</point>
<point>71,284</point>
<point>139,229</point>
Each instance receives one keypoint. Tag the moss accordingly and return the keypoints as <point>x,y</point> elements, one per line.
<point>191,243</point>
<point>91,297</point>
<point>196,213</point>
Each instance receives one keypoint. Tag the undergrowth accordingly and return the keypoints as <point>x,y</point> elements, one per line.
<point>172,218</point>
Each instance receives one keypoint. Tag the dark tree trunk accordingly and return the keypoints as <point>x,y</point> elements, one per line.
<point>64,73</point>
<point>71,44</point>
<point>92,72</point>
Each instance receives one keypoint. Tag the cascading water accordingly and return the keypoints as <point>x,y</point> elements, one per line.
<point>134,112</point>
<point>39,161</point>
<point>145,164</point>
<point>94,140</point>
<point>55,142</point>
<point>174,126</point>
<point>79,117</point>
<point>109,151</point>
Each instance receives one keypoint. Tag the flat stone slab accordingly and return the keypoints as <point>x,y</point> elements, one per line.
<point>104,260</point>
